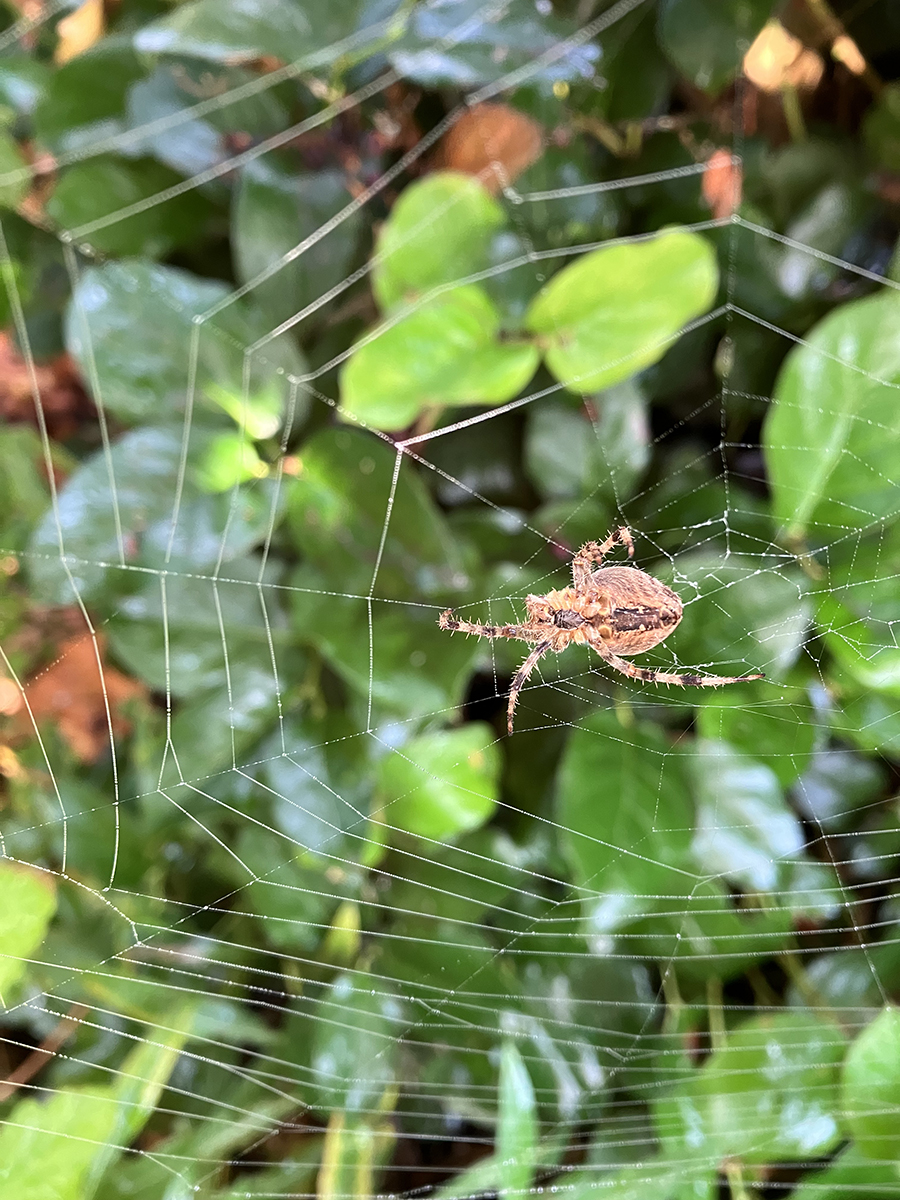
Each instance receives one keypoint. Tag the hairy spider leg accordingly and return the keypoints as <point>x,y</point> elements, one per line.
<point>521,675</point>
<point>682,678</point>
<point>587,556</point>
<point>456,625</point>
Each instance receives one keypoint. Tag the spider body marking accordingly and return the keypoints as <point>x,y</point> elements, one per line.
<point>614,610</point>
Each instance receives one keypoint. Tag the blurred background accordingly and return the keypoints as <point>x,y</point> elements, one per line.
<point>317,320</point>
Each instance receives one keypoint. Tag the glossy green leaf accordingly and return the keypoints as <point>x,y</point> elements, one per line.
<point>444,351</point>
<point>871,1087</point>
<point>745,830</point>
<point>770,1093</point>
<point>838,784</point>
<point>707,937</point>
<point>163,121</point>
<point>355,1045</point>
<point>707,39</point>
<point>831,437</point>
<point>102,509</point>
<point>618,309</point>
<point>58,1147</point>
<point>277,221</point>
<point>626,819</point>
<point>867,650</point>
<point>27,904</point>
<point>130,325</point>
<point>439,231</point>
<point>559,205</point>
<point>463,44</point>
<point>403,662</point>
<point>581,452</point>
<point>178,634</point>
<point>233,718</point>
<point>84,101</point>
<point>849,1176</point>
<point>243,30</point>
<point>92,196</point>
<point>441,784</point>
<point>781,735</point>
<point>741,614</point>
<point>517,1124</point>
<point>338,508</point>
<point>14,171</point>
<point>881,128</point>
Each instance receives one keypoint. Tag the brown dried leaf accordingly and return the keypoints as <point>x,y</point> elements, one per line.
<point>722,182</point>
<point>494,142</point>
<point>64,402</point>
<point>73,693</point>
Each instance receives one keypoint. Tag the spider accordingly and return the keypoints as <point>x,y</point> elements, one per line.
<point>609,609</point>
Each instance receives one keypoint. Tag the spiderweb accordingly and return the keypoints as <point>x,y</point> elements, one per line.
<point>611,916</point>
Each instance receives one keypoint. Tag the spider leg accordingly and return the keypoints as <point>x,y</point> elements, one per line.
<point>455,624</point>
<point>594,552</point>
<point>521,675</point>
<point>681,678</point>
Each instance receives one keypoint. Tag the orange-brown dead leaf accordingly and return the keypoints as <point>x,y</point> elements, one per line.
<point>64,402</point>
<point>80,30</point>
<point>722,182</point>
<point>494,142</point>
<point>73,692</point>
<point>777,60</point>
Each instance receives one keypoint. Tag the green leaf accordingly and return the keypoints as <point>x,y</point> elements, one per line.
<point>871,1087</point>
<point>881,128</point>
<point>517,1124</point>
<point>102,510</point>
<point>633,849</point>
<point>91,196</point>
<point>242,30</point>
<point>618,309</point>
<point>356,1045</point>
<point>770,1093</point>
<point>400,660</point>
<point>56,1148</point>
<point>163,122</point>
<point>13,163</point>
<point>129,325</point>
<point>340,501</point>
<point>707,39</point>
<point>780,734</point>
<point>441,784</point>
<point>84,100</point>
<point>274,213</point>
<point>179,634</point>
<point>463,44</point>
<point>866,649</point>
<point>23,484</point>
<point>233,718</point>
<point>445,351</point>
<point>849,1176</point>
<point>27,904</point>
<point>439,231</point>
<point>740,614</point>
<point>745,830</point>
<point>831,437</point>
<point>572,452</point>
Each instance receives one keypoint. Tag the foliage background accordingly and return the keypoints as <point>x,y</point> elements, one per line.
<point>282,911</point>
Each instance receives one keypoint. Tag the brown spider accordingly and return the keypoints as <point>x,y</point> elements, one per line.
<point>613,608</point>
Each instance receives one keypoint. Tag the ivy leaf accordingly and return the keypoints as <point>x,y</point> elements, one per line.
<point>439,231</point>
<point>444,352</point>
<point>618,309</point>
<point>831,437</point>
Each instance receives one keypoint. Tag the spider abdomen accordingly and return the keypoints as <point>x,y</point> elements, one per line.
<point>641,611</point>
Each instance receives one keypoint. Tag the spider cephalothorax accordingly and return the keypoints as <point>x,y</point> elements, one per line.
<point>614,610</point>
